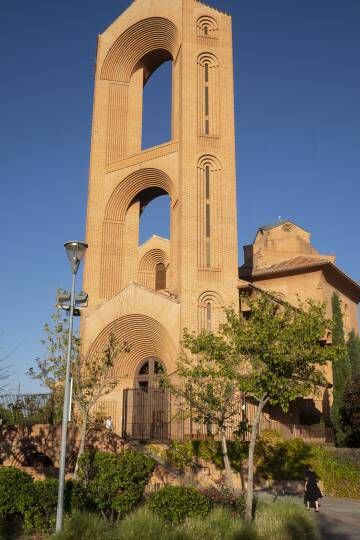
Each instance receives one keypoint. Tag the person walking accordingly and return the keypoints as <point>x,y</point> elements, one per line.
<point>312,492</point>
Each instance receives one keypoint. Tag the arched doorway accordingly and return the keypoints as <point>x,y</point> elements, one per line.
<point>150,402</point>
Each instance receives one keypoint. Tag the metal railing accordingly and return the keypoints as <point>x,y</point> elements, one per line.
<point>26,409</point>
<point>155,415</point>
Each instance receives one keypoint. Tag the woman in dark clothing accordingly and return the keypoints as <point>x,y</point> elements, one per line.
<point>312,491</point>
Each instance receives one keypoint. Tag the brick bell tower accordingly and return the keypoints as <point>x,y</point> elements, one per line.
<point>146,294</point>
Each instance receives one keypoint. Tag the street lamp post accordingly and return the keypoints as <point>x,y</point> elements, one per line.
<point>75,251</point>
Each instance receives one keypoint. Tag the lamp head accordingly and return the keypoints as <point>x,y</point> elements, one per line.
<point>75,251</point>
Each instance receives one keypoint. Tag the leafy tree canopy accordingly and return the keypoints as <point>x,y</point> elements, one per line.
<point>353,346</point>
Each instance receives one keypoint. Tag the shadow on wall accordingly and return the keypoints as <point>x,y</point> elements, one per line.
<point>38,446</point>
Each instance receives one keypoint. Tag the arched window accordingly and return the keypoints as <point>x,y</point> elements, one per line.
<point>209,215</point>
<point>208,94</point>
<point>160,277</point>
<point>149,374</point>
<point>207,27</point>
<point>208,316</point>
<point>210,313</point>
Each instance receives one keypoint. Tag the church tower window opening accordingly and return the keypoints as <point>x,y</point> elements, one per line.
<point>160,277</point>
<point>208,91</point>
<point>157,107</point>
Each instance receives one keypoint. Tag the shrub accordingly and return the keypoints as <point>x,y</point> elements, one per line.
<point>279,459</point>
<point>77,497</point>
<point>179,454</point>
<point>83,526</point>
<point>14,485</point>
<point>182,454</point>
<point>175,503</point>
<point>39,506</point>
<point>114,483</point>
<point>285,520</point>
<point>226,499</point>
<point>341,478</point>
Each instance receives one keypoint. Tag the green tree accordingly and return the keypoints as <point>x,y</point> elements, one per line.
<point>274,356</point>
<point>50,368</point>
<point>207,393</point>
<point>341,368</point>
<point>350,413</point>
<point>92,376</point>
<point>353,347</point>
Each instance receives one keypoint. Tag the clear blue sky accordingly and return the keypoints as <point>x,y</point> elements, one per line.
<point>297,83</point>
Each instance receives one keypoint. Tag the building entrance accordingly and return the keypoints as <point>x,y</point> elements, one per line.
<point>149,401</point>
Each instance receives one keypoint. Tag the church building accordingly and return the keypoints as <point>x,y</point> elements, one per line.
<point>145,294</point>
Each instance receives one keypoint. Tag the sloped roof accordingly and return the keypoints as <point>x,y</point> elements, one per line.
<point>297,265</point>
<point>294,263</point>
<point>278,224</point>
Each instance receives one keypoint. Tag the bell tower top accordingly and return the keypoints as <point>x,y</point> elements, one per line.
<point>196,167</point>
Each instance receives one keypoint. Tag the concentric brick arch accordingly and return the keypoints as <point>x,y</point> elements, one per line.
<point>131,186</point>
<point>147,266</point>
<point>152,182</point>
<point>143,37</point>
<point>144,336</point>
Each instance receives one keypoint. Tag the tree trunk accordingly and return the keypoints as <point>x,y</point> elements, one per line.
<point>82,442</point>
<point>250,480</point>
<point>228,469</point>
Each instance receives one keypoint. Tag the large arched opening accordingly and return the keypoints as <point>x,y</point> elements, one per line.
<point>120,247</point>
<point>140,115</point>
<point>157,107</point>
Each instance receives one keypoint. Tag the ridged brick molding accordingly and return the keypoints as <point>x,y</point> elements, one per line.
<point>113,226</point>
<point>207,27</point>
<point>148,264</point>
<point>210,310</point>
<point>142,38</point>
<point>209,208</point>
<point>144,337</point>
<point>208,94</point>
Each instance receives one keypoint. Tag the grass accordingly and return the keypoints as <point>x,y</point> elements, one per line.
<point>285,520</point>
<point>282,520</point>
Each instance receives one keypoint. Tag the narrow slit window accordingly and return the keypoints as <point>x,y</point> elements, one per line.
<point>206,73</point>
<point>208,316</point>
<point>208,220</point>
<point>207,182</point>
<point>206,30</point>
<point>206,100</point>
<point>208,254</point>
<point>207,126</point>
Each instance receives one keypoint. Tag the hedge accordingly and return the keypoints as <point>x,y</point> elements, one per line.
<point>14,487</point>
<point>340,477</point>
<point>114,483</point>
<point>175,503</point>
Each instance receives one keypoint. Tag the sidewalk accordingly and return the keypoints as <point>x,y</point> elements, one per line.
<point>339,519</point>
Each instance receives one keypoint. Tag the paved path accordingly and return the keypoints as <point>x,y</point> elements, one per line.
<point>339,519</point>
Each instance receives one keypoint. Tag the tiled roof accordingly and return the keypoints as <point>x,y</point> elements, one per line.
<point>295,263</point>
